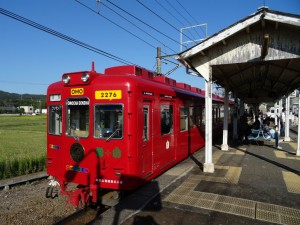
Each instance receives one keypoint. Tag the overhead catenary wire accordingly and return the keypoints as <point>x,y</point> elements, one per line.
<point>144,22</point>
<point>138,27</point>
<point>179,13</point>
<point>115,23</point>
<point>62,36</point>
<point>171,14</point>
<point>193,18</point>
<point>163,19</point>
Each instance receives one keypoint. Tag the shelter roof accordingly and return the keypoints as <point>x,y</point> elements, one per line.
<point>257,57</point>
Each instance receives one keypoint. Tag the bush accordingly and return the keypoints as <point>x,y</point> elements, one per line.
<point>12,168</point>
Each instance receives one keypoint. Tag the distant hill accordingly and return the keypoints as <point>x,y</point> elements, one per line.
<point>13,96</point>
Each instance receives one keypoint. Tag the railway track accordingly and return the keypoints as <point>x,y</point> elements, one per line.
<point>83,216</point>
<point>7,183</point>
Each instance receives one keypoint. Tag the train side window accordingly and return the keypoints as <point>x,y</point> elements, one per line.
<point>78,111</point>
<point>166,112</point>
<point>183,119</point>
<point>108,121</point>
<point>55,120</point>
<point>146,123</point>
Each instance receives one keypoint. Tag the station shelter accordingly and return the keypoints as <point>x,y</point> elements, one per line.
<point>257,59</point>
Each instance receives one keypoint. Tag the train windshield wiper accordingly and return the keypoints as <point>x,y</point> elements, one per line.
<point>112,135</point>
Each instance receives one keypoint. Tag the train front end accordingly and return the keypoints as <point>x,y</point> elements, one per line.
<point>85,136</point>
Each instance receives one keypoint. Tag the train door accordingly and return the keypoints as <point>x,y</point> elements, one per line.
<point>166,143</point>
<point>147,145</point>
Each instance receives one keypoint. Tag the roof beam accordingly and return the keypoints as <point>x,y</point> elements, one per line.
<point>265,46</point>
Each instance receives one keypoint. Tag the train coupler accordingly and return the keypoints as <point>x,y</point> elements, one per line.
<point>53,188</point>
<point>79,197</point>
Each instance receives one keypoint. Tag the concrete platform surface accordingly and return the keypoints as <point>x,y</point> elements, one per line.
<point>252,184</point>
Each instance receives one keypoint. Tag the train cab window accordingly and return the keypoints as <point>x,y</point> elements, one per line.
<point>108,121</point>
<point>78,117</point>
<point>183,118</point>
<point>166,112</point>
<point>55,120</point>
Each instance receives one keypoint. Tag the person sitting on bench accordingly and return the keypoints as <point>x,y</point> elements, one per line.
<point>271,133</point>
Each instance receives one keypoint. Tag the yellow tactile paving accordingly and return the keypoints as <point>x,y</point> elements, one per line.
<point>231,177</point>
<point>292,182</point>
<point>216,156</point>
<point>180,169</point>
<point>239,151</point>
<point>236,206</point>
<point>285,155</point>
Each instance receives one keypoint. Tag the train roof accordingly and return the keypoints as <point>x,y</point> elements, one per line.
<point>178,87</point>
<point>132,70</point>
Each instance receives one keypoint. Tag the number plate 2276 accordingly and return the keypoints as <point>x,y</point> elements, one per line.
<point>108,94</point>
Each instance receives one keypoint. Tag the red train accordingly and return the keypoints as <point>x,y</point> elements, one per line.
<point>120,129</point>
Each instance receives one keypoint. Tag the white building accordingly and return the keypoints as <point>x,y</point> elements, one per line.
<point>27,109</point>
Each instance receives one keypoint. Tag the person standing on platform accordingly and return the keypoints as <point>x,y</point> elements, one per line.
<point>282,123</point>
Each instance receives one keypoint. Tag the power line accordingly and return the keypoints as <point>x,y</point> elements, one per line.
<point>62,36</point>
<point>137,27</point>
<point>171,14</point>
<point>115,24</point>
<point>143,22</point>
<point>178,12</point>
<point>190,16</point>
<point>163,19</point>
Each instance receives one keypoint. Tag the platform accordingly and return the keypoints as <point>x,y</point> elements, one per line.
<point>252,184</point>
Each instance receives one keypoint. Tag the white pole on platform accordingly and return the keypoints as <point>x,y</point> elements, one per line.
<point>287,120</point>
<point>276,117</point>
<point>208,165</point>
<point>298,148</point>
<point>235,118</point>
<point>224,146</point>
<point>279,116</point>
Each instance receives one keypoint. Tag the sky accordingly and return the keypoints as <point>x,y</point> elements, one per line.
<point>129,30</point>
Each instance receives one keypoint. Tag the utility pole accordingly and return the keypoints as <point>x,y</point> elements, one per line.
<point>158,60</point>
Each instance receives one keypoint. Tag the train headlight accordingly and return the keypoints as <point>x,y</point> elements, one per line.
<point>55,98</point>
<point>85,77</point>
<point>66,79</point>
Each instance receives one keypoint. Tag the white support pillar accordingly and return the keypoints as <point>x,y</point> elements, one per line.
<point>276,118</point>
<point>287,120</point>
<point>224,146</point>
<point>280,111</point>
<point>298,148</point>
<point>208,166</point>
<point>235,118</point>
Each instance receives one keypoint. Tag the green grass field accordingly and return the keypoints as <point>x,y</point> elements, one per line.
<point>22,141</point>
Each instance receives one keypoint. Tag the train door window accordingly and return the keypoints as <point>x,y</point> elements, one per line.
<point>146,123</point>
<point>213,115</point>
<point>191,117</point>
<point>197,116</point>
<point>183,118</point>
<point>203,116</point>
<point>166,112</point>
<point>55,120</point>
<point>78,117</point>
<point>108,121</point>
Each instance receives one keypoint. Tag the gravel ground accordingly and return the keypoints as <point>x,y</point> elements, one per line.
<point>27,204</point>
